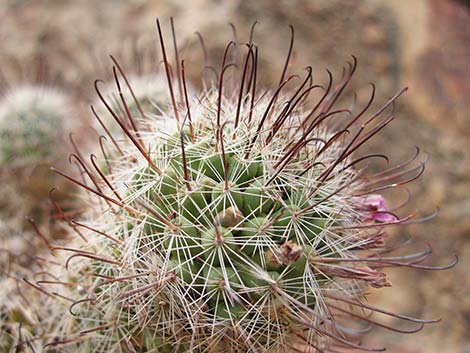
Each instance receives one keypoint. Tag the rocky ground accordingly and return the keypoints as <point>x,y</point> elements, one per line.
<point>422,44</point>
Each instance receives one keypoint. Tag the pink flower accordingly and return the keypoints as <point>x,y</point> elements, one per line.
<point>383,217</point>
<point>377,210</point>
<point>375,203</point>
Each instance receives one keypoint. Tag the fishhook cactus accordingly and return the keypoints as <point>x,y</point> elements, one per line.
<point>239,220</point>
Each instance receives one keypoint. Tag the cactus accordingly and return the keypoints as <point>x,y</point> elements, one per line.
<point>234,221</point>
<point>32,121</point>
<point>34,124</point>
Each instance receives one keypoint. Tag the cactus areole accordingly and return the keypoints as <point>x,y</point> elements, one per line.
<point>243,219</point>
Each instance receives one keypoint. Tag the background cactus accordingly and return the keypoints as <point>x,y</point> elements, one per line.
<point>244,225</point>
<point>34,124</point>
<point>35,121</point>
<point>27,114</point>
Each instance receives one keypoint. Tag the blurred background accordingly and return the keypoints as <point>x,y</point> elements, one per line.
<point>422,44</point>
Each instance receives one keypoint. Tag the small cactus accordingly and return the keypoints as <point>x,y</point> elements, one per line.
<point>234,221</point>
<point>32,121</point>
<point>34,124</point>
